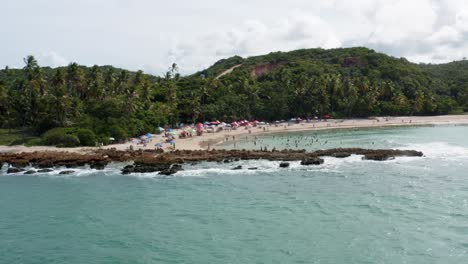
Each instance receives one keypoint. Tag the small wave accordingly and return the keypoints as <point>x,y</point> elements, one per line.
<point>440,150</point>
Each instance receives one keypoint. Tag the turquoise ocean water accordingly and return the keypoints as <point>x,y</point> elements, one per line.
<point>407,210</point>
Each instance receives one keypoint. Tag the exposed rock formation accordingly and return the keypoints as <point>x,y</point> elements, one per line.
<point>168,163</point>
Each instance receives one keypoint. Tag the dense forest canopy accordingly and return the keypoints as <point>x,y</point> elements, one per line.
<point>95,103</point>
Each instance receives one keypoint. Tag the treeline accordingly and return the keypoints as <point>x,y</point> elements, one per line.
<point>105,101</point>
<point>92,104</point>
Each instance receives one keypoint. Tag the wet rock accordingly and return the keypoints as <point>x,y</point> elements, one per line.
<point>172,170</point>
<point>145,168</point>
<point>341,155</point>
<point>150,168</point>
<point>312,161</point>
<point>227,161</point>
<point>253,168</point>
<point>284,165</point>
<point>44,164</point>
<point>75,164</point>
<point>67,172</point>
<point>150,161</point>
<point>30,172</point>
<point>20,163</point>
<point>45,170</point>
<point>14,170</point>
<point>237,168</point>
<point>128,169</point>
<point>382,155</point>
<point>98,165</point>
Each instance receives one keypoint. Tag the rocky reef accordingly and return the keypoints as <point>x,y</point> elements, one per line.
<point>168,163</point>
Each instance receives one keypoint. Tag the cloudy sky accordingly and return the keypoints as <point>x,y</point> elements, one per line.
<point>151,34</point>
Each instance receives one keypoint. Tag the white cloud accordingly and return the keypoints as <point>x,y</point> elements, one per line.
<point>152,34</point>
<point>462,20</point>
<point>400,21</point>
<point>52,59</point>
<point>446,34</point>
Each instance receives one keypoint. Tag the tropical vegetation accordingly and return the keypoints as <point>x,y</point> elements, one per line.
<point>79,105</point>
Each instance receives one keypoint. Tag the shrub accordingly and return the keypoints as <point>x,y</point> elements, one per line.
<point>118,133</point>
<point>104,139</point>
<point>69,141</point>
<point>61,137</point>
<point>34,142</point>
<point>86,137</point>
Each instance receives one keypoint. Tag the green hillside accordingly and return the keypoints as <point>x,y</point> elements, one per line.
<point>87,104</point>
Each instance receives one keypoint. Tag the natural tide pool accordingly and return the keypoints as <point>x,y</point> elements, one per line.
<point>407,210</point>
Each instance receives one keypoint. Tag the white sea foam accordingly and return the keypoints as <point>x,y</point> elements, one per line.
<point>440,150</point>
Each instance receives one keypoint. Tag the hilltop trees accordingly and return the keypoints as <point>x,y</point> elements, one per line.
<point>111,102</point>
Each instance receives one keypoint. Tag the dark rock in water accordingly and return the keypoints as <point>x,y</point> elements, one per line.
<point>44,165</point>
<point>98,165</point>
<point>128,169</point>
<point>20,163</point>
<point>236,159</point>
<point>14,170</point>
<point>284,165</point>
<point>383,155</point>
<point>45,170</point>
<point>150,168</point>
<point>172,170</point>
<point>67,172</point>
<point>30,172</point>
<point>227,161</point>
<point>253,168</point>
<point>237,168</point>
<point>312,161</point>
<point>75,164</point>
<point>341,155</point>
<point>146,168</point>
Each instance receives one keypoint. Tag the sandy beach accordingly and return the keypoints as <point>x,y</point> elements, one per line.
<point>213,139</point>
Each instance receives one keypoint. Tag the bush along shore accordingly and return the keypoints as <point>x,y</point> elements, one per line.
<point>168,163</point>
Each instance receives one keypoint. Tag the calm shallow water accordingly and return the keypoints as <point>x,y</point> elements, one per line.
<point>408,210</point>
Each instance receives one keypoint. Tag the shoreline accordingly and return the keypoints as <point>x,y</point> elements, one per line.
<point>210,140</point>
<point>168,163</point>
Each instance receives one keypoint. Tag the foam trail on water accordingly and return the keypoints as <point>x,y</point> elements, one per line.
<point>440,150</point>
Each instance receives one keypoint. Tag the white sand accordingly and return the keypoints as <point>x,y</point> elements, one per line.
<point>212,139</point>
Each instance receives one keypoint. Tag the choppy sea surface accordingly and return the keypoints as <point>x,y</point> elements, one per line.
<point>407,210</point>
